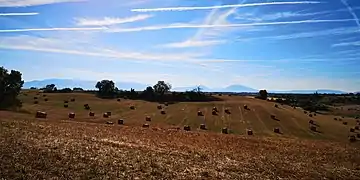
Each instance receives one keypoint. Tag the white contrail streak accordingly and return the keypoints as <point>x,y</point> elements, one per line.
<point>175,26</point>
<point>351,12</point>
<point>189,26</point>
<point>19,14</point>
<point>223,6</point>
<point>51,29</point>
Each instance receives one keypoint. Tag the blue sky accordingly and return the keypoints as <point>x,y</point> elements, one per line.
<point>277,45</point>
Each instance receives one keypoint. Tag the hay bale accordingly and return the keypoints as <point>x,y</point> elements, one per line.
<point>358,136</point>
<point>92,114</point>
<point>187,128</point>
<point>66,105</point>
<point>66,101</point>
<point>227,111</point>
<point>335,119</point>
<point>313,128</point>
<point>109,122</point>
<point>202,126</point>
<point>352,130</point>
<point>311,122</point>
<point>36,102</point>
<point>72,99</point>
<point>277,130</point>
<point>159,107</point>
<point>225,130</point>
<point>71,115</point>
<point>44,95</point>
<point>145,125</point>
<point>294,107</point>
<point>41,114</point>
<point>166,104</point>
<point>214,112</point>
<point>118,100</point>
<point>305,112</point>
<point>199,113</point>
<point>121,121</point>
<point>35,97</point>
<point>215,109</point>
<point>105,115</point>
<point>246,107</point>
<point>356,127</point>
<point>315,114</point>
<point>272,116</point>
<point>310,115</point>
<point>357,117</point>
<point>163,112</point>
<point>352,138</point>
<point>358,121</point>
<point>46,99</point>
<point>345,123</point>
<point>277,106</point>
<point>147,118</point>
<point>87,107</point>
<point>250,132</point>
<point>132,107</point>
<point>108,113</point>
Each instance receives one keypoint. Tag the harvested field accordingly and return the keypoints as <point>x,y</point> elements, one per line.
<point>77,150</point>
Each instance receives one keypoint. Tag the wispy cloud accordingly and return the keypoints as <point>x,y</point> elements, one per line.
<point>19,14</point>
<point>191,26</point>
<point>192,43</point>
<point>52,45</point>
<point>355,43</point>
<point>311,34</point>
<point>111,20</point>
<point>351,12</point>
<point>21,3</point>
<point>175,26</point>
<point>207,37</point>
<point>222,6</point>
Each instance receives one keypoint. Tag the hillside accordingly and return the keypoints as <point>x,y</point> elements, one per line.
<point>86,147</point>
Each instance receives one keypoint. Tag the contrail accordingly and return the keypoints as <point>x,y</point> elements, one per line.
<point>19,14</point>
<point>51,29</point>
<point>222,6</point>
<point>190,26</point>
<point>351,12</point>
<point>176,26</point>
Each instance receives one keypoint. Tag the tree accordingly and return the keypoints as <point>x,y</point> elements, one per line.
<point>10,86</point>
<point>106,88</point>
<point>263,94</point>
<point>162,87</point>
<point>148,93</point>
<point>78,89</point>
<point>50,88</point>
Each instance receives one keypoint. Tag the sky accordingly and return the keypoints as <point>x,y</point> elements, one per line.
<point>262,44</point>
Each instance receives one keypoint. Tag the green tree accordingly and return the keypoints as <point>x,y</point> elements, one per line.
<point>50,88</point>
<point>162,87</point>
<point>10,87</point>
<point>106,88</point>
<point>263,94</point>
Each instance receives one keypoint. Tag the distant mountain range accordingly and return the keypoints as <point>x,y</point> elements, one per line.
<point>85,84</point>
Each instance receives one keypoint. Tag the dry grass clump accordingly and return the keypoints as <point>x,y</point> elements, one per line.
<point>57,150</point>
